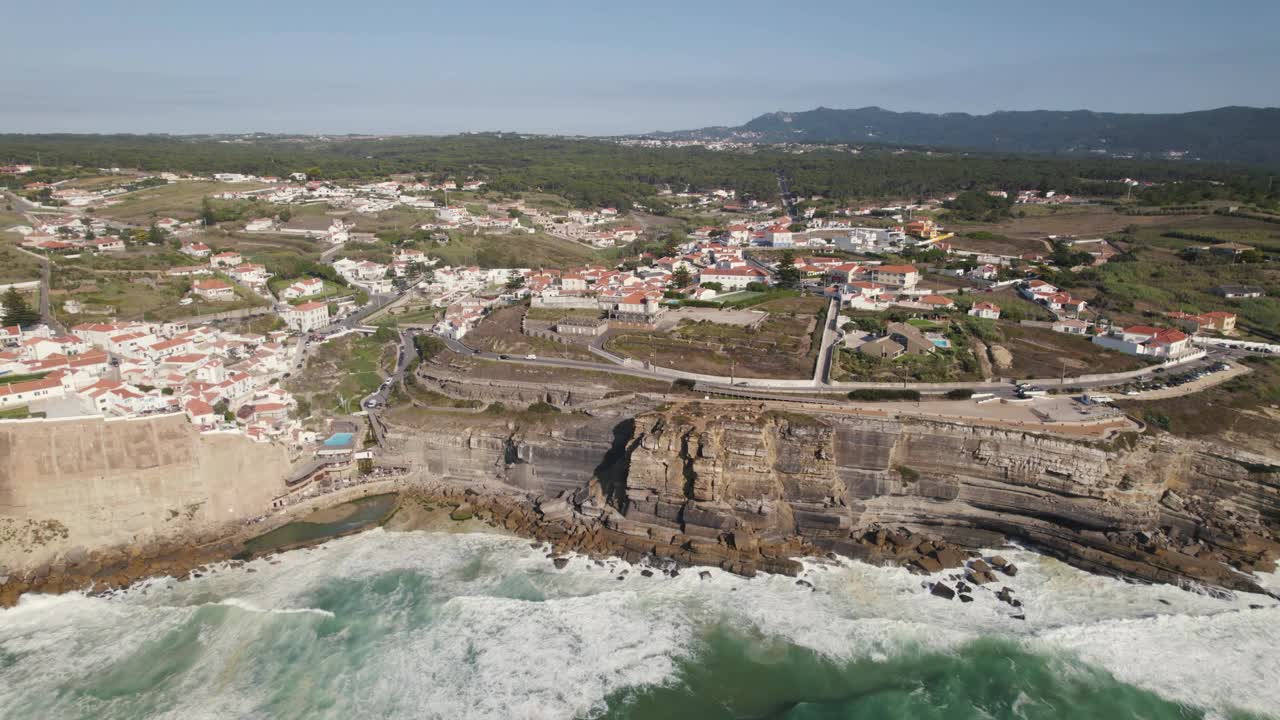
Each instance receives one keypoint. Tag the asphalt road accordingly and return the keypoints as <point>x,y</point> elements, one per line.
<point>378,398</point>
<point>1002,389</point>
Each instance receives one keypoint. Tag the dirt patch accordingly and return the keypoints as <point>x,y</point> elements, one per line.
<point>1003,358</point>
<point>1040,352</point>
<point>781,346</point>
<point>1080,222</point>
<point>501,333</point>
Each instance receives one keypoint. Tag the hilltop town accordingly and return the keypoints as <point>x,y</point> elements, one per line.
<point>296,309</point>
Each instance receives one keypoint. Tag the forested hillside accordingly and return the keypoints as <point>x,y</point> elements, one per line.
<point>1229,134</point>
<point>597,172</point>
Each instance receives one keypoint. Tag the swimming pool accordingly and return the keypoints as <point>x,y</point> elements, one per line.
<point>339,439</point>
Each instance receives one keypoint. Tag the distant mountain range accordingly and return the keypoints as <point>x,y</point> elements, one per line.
<point>1228,134</point>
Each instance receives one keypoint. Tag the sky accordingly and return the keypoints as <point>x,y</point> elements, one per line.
<point>610,66</point>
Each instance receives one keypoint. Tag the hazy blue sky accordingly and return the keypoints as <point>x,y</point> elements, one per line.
<point>610,66</point>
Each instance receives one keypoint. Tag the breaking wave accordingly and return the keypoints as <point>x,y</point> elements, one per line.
<point>428,625</point>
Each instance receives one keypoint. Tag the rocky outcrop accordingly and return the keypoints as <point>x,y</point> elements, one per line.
<point>1154,510</point>
<point>713,479</point>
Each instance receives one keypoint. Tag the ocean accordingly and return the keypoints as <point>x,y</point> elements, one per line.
<point>437,625</point>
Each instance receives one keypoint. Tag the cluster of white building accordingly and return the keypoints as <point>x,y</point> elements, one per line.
<point>124,369</point>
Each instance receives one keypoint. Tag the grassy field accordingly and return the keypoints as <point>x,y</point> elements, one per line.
<point>1244,411</point>
<point>252,245</point>
<point>181,200</point>
<point>17,266</point>
<point>1158,280</point>
<point>500,333</point>
<point>423,314</point>
<point>1040,352</point>
<point>341,372</point>
<point>1086,222</point>
<point>138,257</point>
<point>553,314</point>
<point>517,250</point>
<point>1036,352</point>
<point>331,289</point>
<point>497,370</point>
<point>783,346</point>
<point>1013,306</point>
<point>22,412</point>
<point>1262,235</point>
<point>136,298</point>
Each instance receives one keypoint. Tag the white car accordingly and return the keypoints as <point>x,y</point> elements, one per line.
<point>530,356</point>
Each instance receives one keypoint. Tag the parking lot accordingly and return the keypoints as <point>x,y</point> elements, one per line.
<point>1174,384</point>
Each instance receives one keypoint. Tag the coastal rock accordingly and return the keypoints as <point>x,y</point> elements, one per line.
<point>942,590</point>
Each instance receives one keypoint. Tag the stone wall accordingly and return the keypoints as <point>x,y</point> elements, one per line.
<point>509,392</point>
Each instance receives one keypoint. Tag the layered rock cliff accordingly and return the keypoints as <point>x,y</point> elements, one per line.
<point>1142,507</point>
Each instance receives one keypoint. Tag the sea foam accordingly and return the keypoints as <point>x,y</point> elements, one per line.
<point>478,626</point>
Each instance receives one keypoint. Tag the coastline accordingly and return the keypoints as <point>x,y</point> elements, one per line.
<point>581,523</point>
<point>547,522</point>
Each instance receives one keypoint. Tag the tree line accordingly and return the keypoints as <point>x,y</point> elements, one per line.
<point>602,173</point>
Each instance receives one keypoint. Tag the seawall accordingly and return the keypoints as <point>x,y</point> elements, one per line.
<point>68,488</point>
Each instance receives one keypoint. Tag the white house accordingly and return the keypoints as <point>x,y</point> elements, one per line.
<point>306,317</point>
<point>985,310</point>
<point>108,244</point>
<point>22,393</point>
<point>896,276</point>
<point>214,289</point>
<point>733,278</point>
<point>308,287</point>
<point>1146,340</point>
<point>226,259</point>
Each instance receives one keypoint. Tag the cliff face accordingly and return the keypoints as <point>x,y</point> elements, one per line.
<point>83,485</point>
<point>1158,510</point>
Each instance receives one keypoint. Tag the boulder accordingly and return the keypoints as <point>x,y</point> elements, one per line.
<point>560,562</point>
<point>941,590</point>
<point>928,564</point>
<point>966,598</point>
<point>998,562</point>
<point>1009,569</point>
<point>465,511</point>
<point>949,557</point>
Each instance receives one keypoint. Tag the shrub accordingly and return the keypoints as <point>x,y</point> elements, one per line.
<point>878,394</point>
<point>543,408</point>
<point>908,475</point>
<point>960,394</point>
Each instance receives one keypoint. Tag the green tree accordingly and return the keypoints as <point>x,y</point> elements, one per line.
<point>17,311</point>
<point>208,216</point>
<point>515,281</point>
<point>681,278</point>
<point>428,346</point>
<point>788,273</point>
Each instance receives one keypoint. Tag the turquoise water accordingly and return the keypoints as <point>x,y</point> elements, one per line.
<point>339,439</point>
<point>419,625</point>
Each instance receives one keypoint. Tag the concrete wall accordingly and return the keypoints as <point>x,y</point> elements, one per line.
<point>227,315</point>
<point>94,483</point>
